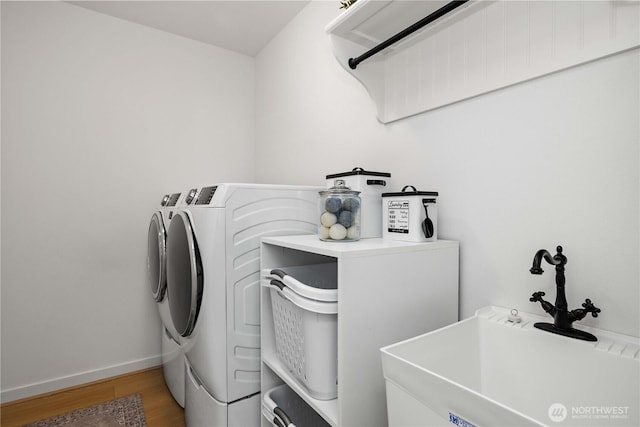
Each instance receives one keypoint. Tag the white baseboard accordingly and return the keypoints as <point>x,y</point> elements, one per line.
<point>78,379</point>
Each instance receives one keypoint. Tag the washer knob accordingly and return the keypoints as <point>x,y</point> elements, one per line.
<point>191,195</point>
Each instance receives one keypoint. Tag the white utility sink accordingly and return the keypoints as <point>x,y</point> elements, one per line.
<point>486,372</point>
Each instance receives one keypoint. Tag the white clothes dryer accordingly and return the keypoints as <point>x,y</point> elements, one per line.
<point>213,282</point>
<point>172,353</point>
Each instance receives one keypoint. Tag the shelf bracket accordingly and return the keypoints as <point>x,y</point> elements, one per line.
<point>353,62</point>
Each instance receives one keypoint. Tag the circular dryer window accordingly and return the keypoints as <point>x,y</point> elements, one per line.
<point>184,274</point>
<point>156,257</point>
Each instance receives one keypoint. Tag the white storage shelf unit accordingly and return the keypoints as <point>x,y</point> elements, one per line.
<point>477,48</point>
<point>387,291</point>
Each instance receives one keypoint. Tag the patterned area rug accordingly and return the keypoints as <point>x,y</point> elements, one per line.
<point>125,411</point>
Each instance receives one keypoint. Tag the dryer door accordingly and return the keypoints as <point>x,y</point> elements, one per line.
<point>156,257</point>
<point>184,274</point>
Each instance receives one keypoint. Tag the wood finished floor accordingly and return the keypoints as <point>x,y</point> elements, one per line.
<point>160,409</point>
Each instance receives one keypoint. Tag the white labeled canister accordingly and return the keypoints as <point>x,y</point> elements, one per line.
<point>371,185</point>
<point>410,215</point>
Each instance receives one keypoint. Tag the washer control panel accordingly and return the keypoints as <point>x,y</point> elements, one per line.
<point>205,196</point>
<point>173,199</point>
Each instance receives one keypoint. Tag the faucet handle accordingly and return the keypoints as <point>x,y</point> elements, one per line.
<point>589,307</point>
<point>537,296</point>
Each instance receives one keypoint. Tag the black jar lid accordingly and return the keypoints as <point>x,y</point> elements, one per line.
<point>415,192</point>
<point>358,171</point>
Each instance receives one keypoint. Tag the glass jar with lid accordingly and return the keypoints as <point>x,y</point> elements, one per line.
<point>339,210</point>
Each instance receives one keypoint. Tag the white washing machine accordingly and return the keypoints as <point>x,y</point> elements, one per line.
<point>213,282</point>
<point>172,353</point>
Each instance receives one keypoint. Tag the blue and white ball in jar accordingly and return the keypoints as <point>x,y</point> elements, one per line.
<point>339,213</point>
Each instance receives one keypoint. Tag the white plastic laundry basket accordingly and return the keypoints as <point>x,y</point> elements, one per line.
<point>305,320</point>
<point>283,407</point>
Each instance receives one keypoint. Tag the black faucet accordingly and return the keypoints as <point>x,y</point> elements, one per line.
<point>562,318</point>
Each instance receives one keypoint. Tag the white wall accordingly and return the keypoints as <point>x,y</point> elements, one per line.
<point>100,117</point>
<point>547,162</point>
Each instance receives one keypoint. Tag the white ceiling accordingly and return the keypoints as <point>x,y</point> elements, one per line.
<point>243,26</point>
